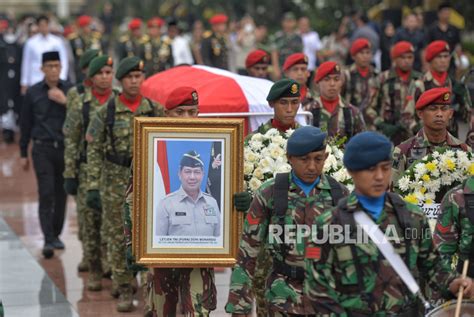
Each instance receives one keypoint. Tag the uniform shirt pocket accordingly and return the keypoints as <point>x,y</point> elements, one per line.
<point>211,219</point>
<point>180,218</point>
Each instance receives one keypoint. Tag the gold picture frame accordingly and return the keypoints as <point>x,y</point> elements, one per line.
<point>170,227</point>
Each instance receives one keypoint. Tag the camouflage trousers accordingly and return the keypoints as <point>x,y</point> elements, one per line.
<point>263,267</point>
<point>195,290</point>
<point>114,183</point>
<point>90,220</point>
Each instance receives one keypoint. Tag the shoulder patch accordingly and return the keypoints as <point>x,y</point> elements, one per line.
<point>207,34</point>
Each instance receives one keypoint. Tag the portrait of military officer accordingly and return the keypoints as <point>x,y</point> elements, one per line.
<point>188,211</point>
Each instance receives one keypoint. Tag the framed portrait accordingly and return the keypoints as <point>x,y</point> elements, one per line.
<point>185,173</point>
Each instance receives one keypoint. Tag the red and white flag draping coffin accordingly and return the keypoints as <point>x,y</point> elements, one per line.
<point>219,91</point>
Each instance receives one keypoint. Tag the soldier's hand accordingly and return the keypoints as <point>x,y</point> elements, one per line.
<point>131,264</point>
<point>70,186</point>
<point>57,95</point>
<point>465,282</point>
<point>242,201</point>
<point>93,199</point>
<point>25,163</point>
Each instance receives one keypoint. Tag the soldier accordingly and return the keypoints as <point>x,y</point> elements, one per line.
<point>156,52</point>
<point>438,56</point>
<point>41,120</point>
<point>188,211</point>
<point>360,79</point>
<point>289,200</point>
<point>129,44</point>
<point>83,40</point>
<point>109,154</point>
<point>394,107</point>
<point>284,98</point>
<point>195,286</point>
<point>434,110</point>
<point>296,68</point>
<point>330,111</point>
<point>352,277</point>
<point>257,63</point>
<point>215,46</point>
<point>78,115</point>
<point>284,43</point>
<point>454,231</point>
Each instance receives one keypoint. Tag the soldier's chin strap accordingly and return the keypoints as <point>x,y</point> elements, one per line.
<point>386,248</point>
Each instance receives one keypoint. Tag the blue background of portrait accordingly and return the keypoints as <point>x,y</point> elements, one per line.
<point>176,150</point>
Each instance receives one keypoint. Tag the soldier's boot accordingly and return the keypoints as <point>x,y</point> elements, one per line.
<point>125,302</point>
<point>94,281</point>
<point>115,290</point>
<point>83,266</point>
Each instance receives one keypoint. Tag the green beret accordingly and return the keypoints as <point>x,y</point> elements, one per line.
<point>284,88</point>
<point>305,140</point>
<point>127,65</point>
<point>191,159</point>
<point>98,62</point>
<point>87,57</point>
<point>366,149</point>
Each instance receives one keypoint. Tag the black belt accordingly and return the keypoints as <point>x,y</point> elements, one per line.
<point>55,144</point>
<point>293,272</point>
<point>82,158</point>
<point>119,160</point>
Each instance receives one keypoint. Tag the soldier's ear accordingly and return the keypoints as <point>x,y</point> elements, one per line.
<point>419,113</point>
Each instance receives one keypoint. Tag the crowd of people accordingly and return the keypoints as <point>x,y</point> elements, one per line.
<point>373,88</point>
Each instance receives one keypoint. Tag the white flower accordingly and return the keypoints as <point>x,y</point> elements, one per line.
<point>289,132</point>
<point>257,137</point>
<point>420,170</point>
<point>270,134</point>
<point>282,168</point>
<point>279,140</point>
<point>276,151</point>
<point>266,163</point>
<point>248,168</point>
<point>403,183</point>
<point>255,145</point>
<point>340,175</point>
<point>258,173</point>
<point>251,156</point>
<point>254,184</point>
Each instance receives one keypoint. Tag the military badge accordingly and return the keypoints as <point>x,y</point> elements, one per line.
<point>305,59</point>
<point>110,61</point>
<point>446,96</point>
<point>195,96</point>
<point>209,211</point>
<point>294,89</point>
<point>337,68</point>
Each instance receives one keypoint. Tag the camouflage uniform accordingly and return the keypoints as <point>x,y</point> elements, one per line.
<point>395,104</point>
<point>264,261</point>
<point>215,50</point>
<point>76,167</point>
<point>335,123</point>
<point>454,231</point>
<point>284,294</point>
<point>361,91</point>
<point>128,46</point>
<point>286,44</point>
<point>112,177</point>
<point>195,288</point>
<point>416,148</point>
<point>81,43</point>
<point>157,55</point>
<point>461,102</point>
<point>333,282</point>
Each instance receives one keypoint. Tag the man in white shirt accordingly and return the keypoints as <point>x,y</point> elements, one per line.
<point>311,42</point>
<point>32,53</point>
<point>180,44</point>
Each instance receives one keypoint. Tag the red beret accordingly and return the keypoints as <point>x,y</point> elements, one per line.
<point>327,68</point>
<point>434,48</point>
<point>3,24</point>
<point>182,96</point>
<point>439,96</point>
<point>158,22</point>
<point>293,59</point>
<point>358,45</point>
<point>401,48</point>
<point>134,24</point>
<point>257,57</point>
<point>68,29</point>
<point>218,18</point>
<point>84,20</point>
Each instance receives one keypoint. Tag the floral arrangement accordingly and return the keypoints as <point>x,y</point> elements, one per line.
<point>441,170</point>
<point>265,156</point>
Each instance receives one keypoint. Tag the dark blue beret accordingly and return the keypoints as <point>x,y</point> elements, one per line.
<point>191,159</point>
<point>306,140</point>
<point>367,149</point>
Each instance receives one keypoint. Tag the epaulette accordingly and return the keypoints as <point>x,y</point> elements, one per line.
<point>124,38</point>
<point>72,36</point>
<point>166,40</point>
<point>144,39</point>
<point>207,34</point>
